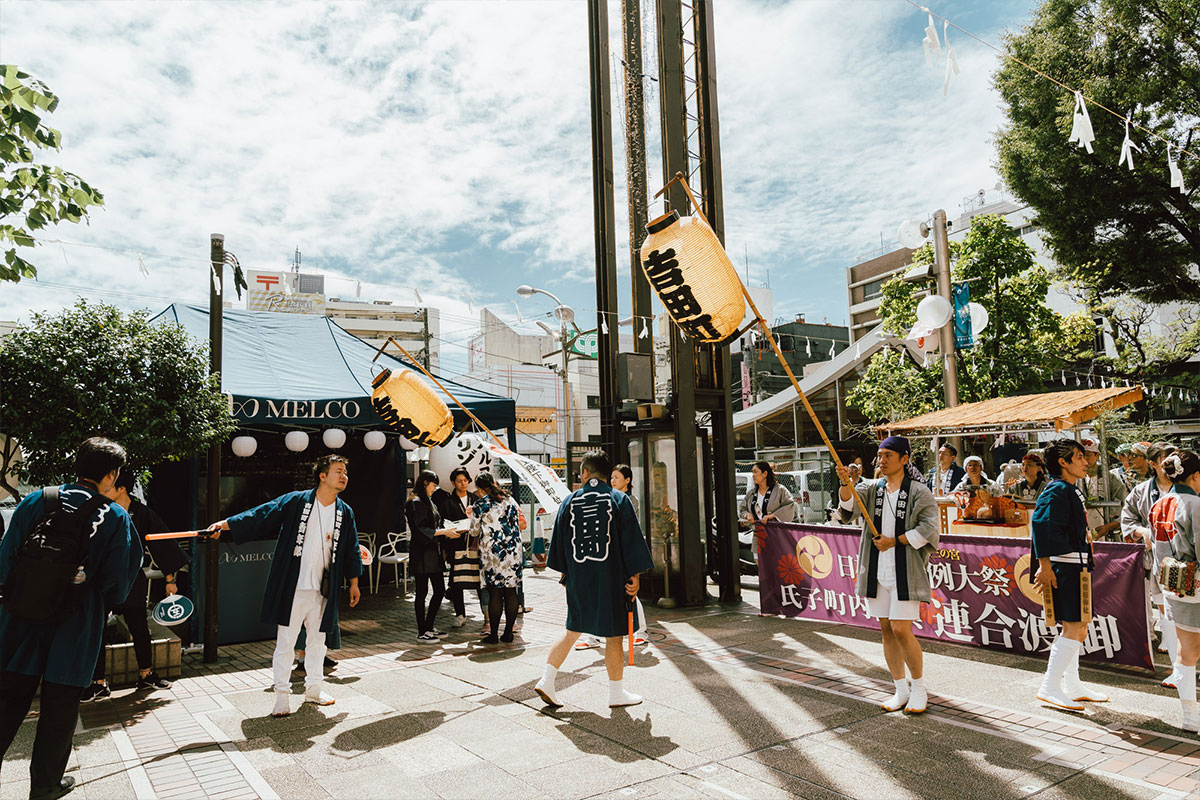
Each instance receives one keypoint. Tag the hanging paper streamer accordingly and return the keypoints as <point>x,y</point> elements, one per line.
<point>1081,125</point>
<point>1064,378</point>
<point>603,326</point>
<point>807,346</point>
<point>933,49</point>
<point>142,268</point>
<point>645,330</point>
<point>518,308</point>
<point>216,281</point>
<point>1127,148</point>
<point>951,59</point>
<point>1176,173</point>
<point>693,277</point>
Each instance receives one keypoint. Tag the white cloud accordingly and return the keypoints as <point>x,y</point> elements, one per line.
<point>447,145</point>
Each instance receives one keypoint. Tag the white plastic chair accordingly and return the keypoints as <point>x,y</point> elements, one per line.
<point>390,553</point>
<point>367,540</point>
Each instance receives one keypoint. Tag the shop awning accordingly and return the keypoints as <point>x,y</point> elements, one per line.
<point>303,369</point>
<point>1049,411</point>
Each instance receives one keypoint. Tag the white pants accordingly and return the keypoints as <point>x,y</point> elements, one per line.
<point>308,606</point>
<point>886,604</point>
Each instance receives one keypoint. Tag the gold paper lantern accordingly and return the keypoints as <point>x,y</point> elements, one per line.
<point>410,408</point>
<point>688,268</point>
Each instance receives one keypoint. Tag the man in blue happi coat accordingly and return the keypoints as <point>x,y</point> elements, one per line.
<point>61,655</point>
<point>317,547</point>
<point>599,548</point>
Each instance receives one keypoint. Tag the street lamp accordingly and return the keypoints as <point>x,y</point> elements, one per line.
<point>565,315</point>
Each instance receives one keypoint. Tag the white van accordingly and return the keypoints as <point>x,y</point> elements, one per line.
<point>812,491</point>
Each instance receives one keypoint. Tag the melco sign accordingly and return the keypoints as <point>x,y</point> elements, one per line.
<point>254,409</point>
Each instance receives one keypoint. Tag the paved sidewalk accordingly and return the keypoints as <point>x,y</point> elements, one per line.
<point>738,706</point>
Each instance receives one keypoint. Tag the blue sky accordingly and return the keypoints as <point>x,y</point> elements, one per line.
<point>446,146</point>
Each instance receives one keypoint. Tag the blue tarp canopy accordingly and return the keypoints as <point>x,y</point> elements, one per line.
<point>304,369</point>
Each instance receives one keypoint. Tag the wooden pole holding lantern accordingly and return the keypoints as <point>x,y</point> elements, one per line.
<point>766,329</point>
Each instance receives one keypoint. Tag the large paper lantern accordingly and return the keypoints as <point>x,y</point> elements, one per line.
<point>466,450</point>
<point>979,318</point>
<point>333,438</point>
<point>243,446</point>
<point>296,441</point>
<point>411,408</point>
<point>694,278</point>
<point>408,445</point>
<point>374,440</point>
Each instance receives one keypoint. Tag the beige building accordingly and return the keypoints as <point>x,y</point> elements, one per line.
<point>417,329</point>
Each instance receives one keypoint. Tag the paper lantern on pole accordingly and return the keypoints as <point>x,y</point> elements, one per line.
<point>296,441</point>
<point>333,438</point>
<point>243,446</point>
<point>934,311</point>
<point>411,408</point>
<point>694,278</point>
<point>374,440</point>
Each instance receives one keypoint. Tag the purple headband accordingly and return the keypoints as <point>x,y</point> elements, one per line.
<point>897,444</point>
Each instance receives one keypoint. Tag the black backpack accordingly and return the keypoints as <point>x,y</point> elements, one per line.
<point>41,585</point>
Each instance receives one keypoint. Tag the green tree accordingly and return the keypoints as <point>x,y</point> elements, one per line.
<point>1018,353</point>
<point>93,370</point>
<point>1113,232</point>
<point>32,196</point>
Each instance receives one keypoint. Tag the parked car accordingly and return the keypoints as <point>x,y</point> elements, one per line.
<point>813,491</point>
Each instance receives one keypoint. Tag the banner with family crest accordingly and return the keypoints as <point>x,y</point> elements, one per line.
<point>982,594</point>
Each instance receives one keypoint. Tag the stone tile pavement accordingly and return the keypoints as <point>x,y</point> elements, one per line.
<point>738,706</point>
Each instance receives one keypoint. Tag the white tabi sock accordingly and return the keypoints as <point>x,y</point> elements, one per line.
<point>1074,687</point>
<point>898,700</point>
<point>1186,687</point>
<point>545,687</point>
<point>1062,652</point>
<point>1170,640</point>
<point>617,696</point>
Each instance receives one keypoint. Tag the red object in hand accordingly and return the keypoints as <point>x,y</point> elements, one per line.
<point>629,610</point>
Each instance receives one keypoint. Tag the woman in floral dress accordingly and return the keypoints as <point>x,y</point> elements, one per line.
<point>495,520</point>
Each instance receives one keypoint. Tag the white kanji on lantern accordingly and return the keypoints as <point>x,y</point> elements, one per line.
<point>1081,125</point>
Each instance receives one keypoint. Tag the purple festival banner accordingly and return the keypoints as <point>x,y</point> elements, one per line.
<point>981,590</point>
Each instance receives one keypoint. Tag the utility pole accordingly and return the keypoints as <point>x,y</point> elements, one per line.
<point>425,337</point>
<point>941,259</point>
<point>213,505</point>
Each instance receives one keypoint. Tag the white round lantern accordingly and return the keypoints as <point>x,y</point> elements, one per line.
<point>466,450</point>
<point>244,446</point>
<point>296,441</point>
<point>934,311</point>
<point>979,318</point>
<point>333,438</point>
<point>374,440</point>
<point>408,444</point>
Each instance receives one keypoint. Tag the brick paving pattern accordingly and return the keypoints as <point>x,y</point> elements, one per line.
<point>209,735</point>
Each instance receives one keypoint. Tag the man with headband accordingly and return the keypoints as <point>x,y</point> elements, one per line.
<point>893,566</point>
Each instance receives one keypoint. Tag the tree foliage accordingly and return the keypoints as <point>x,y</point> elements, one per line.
<point>1019,351</point>
<point>32,196</point>
<point>1112,230</point>
<point>93,370</point>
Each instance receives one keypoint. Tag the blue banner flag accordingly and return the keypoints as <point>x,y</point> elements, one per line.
<point>963,336</point>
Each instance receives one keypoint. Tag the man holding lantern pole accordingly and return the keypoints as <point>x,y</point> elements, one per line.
<point>599,548</point>
<point>317,546</point>
<point>893,566</point>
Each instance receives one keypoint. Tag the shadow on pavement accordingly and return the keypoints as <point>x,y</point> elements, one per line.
<point>581,730</point>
